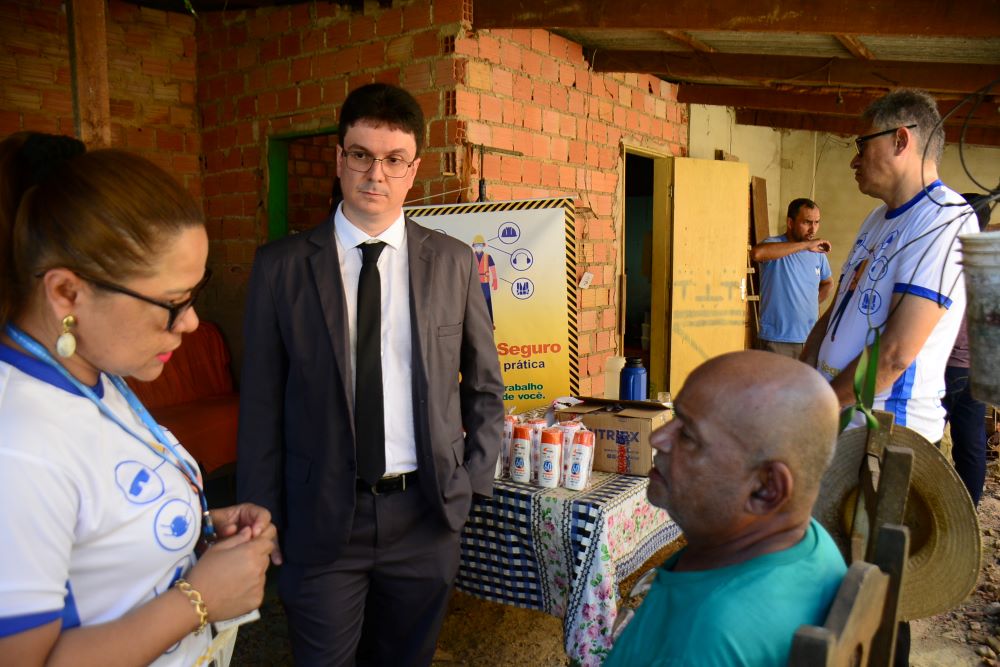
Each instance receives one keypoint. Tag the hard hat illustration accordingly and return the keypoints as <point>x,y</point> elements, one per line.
<point>478,238</point>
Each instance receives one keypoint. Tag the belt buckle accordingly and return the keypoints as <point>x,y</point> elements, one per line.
<point>401,477</point>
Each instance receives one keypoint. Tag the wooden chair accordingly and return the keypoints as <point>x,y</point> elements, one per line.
<point>860,628</point>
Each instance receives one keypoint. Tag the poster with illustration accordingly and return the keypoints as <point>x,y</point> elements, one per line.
<point>526,257</point>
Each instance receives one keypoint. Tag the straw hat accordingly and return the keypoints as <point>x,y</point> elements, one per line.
<point>943,563</point>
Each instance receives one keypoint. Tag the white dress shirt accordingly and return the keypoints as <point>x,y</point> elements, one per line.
<point>397,387</point>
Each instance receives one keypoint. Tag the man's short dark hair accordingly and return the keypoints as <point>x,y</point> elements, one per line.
<point>796,204</point>
<point>908,107</point>
<point>383,104</point>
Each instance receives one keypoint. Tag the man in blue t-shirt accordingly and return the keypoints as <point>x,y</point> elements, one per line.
<point>741,484</point>
<point>794,278</point>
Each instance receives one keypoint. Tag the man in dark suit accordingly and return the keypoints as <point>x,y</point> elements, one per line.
<point>369,415</point>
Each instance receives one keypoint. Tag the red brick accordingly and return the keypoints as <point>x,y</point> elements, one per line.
<point>372,55</point>
<point>313,41</point>
<point>169,140</point>
<point>57,102</point>
<point>185,164</point>
<point>490,109</point>
<point>287,100</point>
<point>301,69</point>
<point>417,76</point>
<point>416,16</point>
<point>447,11</point>
<point>278,75</point>
<point>291,45</point>
<point>300,16</point>
<point>426,44</point>
<point>278,22</point>
<point>399,49</point>
<point>389,22</point>
<point>10,122</point>
<point>362,28</point>
<point>310,96</point>
<point>346,61</point>
<point>532,63</point>
<point>532,118</point>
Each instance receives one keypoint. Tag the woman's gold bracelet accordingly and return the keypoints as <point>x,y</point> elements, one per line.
<point>199,604</point>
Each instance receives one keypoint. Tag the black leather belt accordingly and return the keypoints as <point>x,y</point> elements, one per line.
<point>390,484</point>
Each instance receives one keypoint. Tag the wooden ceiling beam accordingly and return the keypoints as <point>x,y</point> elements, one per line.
<point>981,136</point>
<point>797,70</point>
<point>688,40</point>
<point>970,18</point>
<point>824,101</point>
<point>855,46</point>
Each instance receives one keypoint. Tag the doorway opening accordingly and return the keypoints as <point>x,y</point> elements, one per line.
<point>302,176</point>
<point>637,256</point>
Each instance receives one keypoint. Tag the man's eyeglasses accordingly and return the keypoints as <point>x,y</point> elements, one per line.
<point>859,143</point>
<point>393,166</point>
<point>174,310</point>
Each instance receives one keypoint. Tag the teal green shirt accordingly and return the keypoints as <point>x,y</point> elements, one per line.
<point>744,614</point>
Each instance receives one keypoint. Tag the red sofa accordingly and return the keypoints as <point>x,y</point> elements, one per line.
<point>194,397</point>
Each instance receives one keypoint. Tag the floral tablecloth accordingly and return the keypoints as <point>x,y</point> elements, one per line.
<point>563,552</point>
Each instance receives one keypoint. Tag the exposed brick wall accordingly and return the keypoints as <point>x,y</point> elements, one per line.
<point>35,80</point>
<point>533,92</point>
<point>311,172</point>
<point>151,80</point>
<point>281,70</point>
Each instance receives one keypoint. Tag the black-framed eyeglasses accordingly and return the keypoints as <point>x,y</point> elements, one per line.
<point>393,166</point>
<point>174,310</point>
<point>859,143</point>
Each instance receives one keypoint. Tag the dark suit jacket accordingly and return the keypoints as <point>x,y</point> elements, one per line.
<point>296,427</point>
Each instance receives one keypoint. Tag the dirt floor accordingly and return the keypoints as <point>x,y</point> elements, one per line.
<point>485,634</point>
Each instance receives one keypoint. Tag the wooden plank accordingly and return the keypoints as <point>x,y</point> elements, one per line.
<point>799,70</point>
<point>978,135</point>
<point>891,551</point>
<point>758,196</point>
<point>88,55</point>
<point>710,218</point>
<point>800,100</point>
<point>971,18</point>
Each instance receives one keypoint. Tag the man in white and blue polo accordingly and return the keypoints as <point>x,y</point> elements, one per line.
<point>794,278</point>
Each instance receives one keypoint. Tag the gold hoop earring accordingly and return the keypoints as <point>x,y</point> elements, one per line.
<point>66,343</point>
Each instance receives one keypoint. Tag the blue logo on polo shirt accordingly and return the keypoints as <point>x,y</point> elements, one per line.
<point>878,269</point>
<point>140,483</point>
<point>870,302</point>
<point>174,525</point>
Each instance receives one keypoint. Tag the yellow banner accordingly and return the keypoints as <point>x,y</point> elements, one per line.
<point>526,251</point>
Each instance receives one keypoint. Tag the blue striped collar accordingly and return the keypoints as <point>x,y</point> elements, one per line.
<point>896,212</point>
<point>40,370</point>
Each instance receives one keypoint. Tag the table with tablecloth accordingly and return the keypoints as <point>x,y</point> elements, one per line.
<point>563,552</point>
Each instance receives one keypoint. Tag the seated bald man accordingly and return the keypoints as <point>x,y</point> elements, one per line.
<point>738,469</point>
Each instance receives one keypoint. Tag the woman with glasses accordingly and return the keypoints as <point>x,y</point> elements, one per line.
<point>102,512</point>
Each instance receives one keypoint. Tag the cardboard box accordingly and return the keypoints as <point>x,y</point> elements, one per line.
<point>621,431</point>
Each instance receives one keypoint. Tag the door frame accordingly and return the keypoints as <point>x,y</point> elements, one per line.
<point>661,262</point>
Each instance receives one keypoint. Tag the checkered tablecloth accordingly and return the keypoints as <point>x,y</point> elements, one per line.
<point>563,552</point>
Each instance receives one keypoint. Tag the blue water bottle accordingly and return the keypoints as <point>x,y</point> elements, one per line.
<point>633,380</point>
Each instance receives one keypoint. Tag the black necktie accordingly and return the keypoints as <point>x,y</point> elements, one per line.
<point>369,411</point>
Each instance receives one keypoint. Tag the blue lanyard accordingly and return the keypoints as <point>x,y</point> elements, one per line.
<point>178,461</point>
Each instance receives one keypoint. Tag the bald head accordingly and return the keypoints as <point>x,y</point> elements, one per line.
<point>776,408</point>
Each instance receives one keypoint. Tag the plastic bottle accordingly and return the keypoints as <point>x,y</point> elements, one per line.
<point>520,454</point>
<point>612,376</point>
<point>633,380</point>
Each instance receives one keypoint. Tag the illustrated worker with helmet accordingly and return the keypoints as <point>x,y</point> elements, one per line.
<point>487,271</point>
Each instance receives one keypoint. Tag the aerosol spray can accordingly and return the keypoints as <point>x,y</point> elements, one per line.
<point>537,426</point>
<point>581,458</point>
<point>503,462</point>
<point>569,429</point>
<point>550,452</point>
<point>520,454</point>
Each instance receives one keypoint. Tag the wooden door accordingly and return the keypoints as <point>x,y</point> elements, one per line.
<point>699,259</point>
